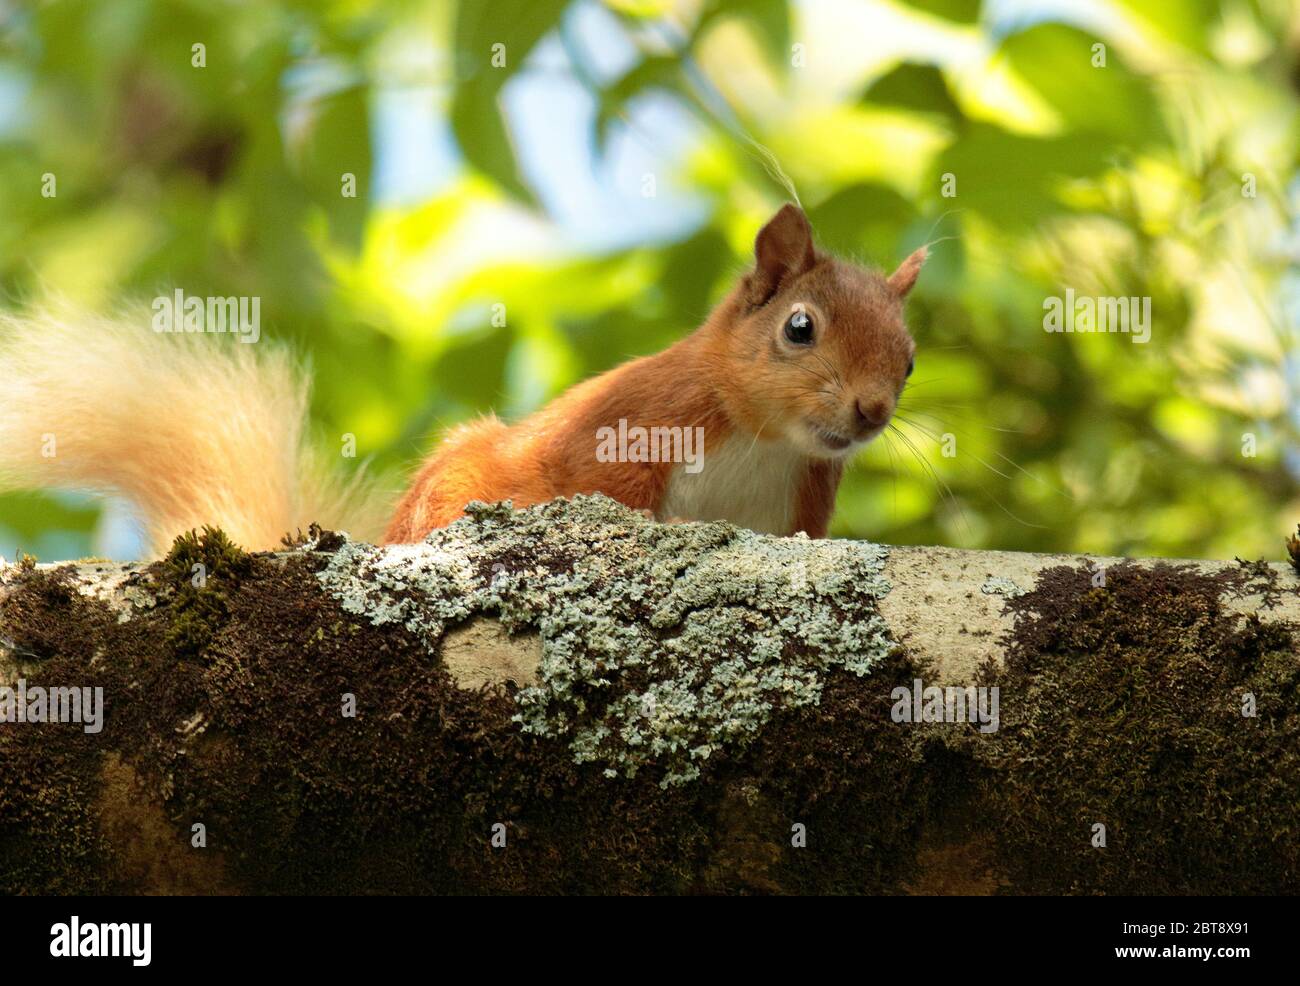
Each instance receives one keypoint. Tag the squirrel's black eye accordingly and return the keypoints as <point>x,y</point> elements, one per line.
<point>911,365</point>
<point>799,329</point>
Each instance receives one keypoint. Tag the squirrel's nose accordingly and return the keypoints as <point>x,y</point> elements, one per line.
<point>871,414</point>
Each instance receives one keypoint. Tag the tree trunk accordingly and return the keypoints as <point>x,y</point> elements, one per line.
<point>572,698</point>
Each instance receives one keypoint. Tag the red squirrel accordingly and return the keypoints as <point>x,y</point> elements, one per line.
<point>799,366</point>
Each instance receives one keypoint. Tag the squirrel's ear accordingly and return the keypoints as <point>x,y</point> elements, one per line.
<point>783,249</point>
<point>901,280</point>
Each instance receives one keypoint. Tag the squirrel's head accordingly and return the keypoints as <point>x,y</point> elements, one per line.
<point>814,351</point>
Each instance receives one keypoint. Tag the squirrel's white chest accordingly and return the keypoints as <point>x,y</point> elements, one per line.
<point>752,484</point>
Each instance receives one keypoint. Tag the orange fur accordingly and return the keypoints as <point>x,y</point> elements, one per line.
<point>202,430</point>
<point>193,429</point>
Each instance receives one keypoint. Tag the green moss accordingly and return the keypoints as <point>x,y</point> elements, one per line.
<point>203,567</point>
<point>210,549</point>
<point>1123,706</point>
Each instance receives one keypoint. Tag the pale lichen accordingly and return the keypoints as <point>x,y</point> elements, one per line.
<point>660,643</point>
<point>998,586</point>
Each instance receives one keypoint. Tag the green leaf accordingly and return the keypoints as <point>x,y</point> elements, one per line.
<point>337,143</point>
<point>693,267</point>
<point>963,11</point>
<point>473,371</point>
<point>654,72</point>
<point>915,87</point>
<point>861,217</point>
<point>1057,61</point>
<point>1013,179</point>
<point>476,114</point>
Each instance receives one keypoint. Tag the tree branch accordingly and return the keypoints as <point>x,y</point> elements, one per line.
<point>573,698</point>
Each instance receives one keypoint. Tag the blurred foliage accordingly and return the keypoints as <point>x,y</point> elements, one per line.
<point>1123,179</point>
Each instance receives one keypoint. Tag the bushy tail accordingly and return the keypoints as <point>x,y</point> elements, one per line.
<point>195,429</point>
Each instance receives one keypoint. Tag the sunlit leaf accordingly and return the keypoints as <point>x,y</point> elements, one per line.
<point>770,19</point>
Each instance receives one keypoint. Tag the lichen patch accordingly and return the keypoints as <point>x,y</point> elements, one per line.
<point>998,586</point>
<point>659,643</point>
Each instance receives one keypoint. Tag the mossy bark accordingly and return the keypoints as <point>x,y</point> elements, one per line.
<point>574,699</point>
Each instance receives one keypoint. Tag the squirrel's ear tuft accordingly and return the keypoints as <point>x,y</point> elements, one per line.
<point>783,249</point>
<point>901,280</point>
